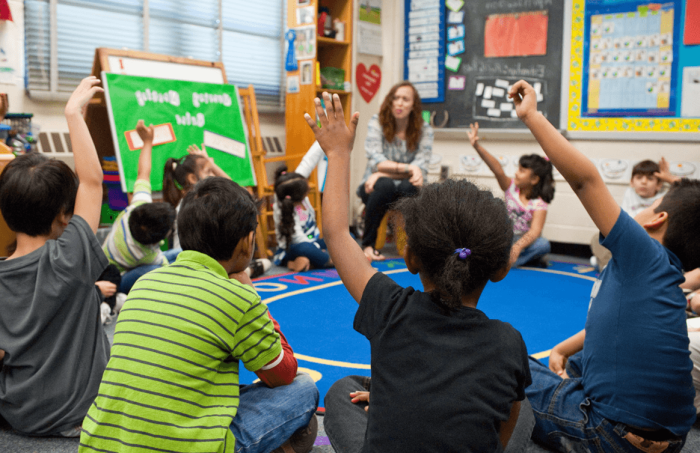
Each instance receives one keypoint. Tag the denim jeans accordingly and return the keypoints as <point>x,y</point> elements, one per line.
<point>267,417</point>
<point>537,249</point>
<point>316,252</point>
<point>346,422</point>
<point>130,277</point>
<point>565,420</point>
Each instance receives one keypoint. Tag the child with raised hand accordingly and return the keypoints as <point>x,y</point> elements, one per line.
<point>527,196</point>
<point>298,237</point>
<point>444,376</point>
<point>133,243</point>
<point>53,349</point>
<point>627,382</point>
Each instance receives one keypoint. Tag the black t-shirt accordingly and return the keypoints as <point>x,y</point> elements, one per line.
<point>441,381</point>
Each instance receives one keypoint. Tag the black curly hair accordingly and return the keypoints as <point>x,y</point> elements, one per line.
<point>451,215</point>
<point>290,188</point>
<point>682,203</point>
<point>543,168</point>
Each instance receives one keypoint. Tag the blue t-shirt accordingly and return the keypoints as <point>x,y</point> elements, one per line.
<point>636,362</point>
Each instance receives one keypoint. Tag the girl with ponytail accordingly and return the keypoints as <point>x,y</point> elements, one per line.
<point>298,237</point>
<point>528,195</point>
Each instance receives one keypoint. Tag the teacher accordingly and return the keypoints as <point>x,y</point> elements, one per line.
<point>399,145</point>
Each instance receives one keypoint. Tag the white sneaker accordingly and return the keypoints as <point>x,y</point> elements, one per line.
<point>121,298</point>
<point>105,314</point>
<point>594,262</point>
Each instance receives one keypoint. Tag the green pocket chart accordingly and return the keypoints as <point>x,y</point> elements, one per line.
<point>184,113</point>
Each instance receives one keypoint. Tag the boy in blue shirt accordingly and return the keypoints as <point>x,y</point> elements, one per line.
<point>623,384</point>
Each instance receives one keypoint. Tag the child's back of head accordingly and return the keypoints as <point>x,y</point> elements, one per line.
<point>150,223</point>
<point>34,190</point>
<point>290,188</point>
<point>541,168</point>
<point>215,215</point>
<point>682,237</point>
<point>176,177</point>
<point>454,215</point>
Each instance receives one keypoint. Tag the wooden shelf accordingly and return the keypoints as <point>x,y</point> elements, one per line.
<point>323,41</point>
<point>329,91</point>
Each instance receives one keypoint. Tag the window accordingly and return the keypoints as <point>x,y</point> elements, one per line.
<point>245,35</point>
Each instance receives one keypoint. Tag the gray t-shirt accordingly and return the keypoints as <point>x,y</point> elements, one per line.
<point>56,348</point>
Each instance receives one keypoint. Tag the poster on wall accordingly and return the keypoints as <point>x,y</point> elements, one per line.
<point>425,47</point>
<point>305,42</point>
<point>631,68</point>
<point>369,28</point>
<point>184,113</point>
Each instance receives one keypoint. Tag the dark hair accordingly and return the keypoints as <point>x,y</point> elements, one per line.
<point>415,119</point>
<point>541,167</point>
<point>290,188</point>
<point>682,203</point>
<point>34,190</point>
<point>645,168</point>
<point>456,214</point>
<point>175,181</point>
<point>149,223</point>
<point>215,215</point>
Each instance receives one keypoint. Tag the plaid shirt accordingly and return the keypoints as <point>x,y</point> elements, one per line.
<point>378,149</point>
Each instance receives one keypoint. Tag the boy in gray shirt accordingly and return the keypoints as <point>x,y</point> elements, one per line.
<point>53,349</point>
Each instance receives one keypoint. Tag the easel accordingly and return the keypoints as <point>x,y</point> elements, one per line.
<point>132,62</point>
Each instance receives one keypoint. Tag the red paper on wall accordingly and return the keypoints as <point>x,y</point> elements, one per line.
<point>692,23</point>
<point>5,13</point>
<point>516,34</point>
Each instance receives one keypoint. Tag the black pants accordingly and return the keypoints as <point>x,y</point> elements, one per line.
<point>378,202</point>
<point>111,274</point>
<point>346,422</point>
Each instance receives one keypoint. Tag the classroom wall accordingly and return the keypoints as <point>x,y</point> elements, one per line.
<point>567,221</point>
<point>49,115</point>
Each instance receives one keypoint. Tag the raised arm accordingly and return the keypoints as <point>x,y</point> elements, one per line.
<point>664,174</point>
<point>576,168</point>
<point>146,134</point>
<point>310,160</point>
<point>493,163</point>
<point>87,165</point>
<point>336,138</point>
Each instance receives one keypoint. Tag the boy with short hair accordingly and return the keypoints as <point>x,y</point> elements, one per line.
<point>53,344</point>
<point>133,244</point>
<point>172,382</point>
<point>627,382</point>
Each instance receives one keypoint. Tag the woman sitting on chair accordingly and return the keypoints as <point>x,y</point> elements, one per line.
<point>399,145</point>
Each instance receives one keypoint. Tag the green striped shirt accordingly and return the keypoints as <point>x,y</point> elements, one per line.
<point>121,248</point>
<point>171,384</point>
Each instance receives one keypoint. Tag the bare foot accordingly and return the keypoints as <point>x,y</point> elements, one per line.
<point>301,264</point>
<point>373,255</point>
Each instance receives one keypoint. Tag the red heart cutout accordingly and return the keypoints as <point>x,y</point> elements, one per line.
<point>368,81</point>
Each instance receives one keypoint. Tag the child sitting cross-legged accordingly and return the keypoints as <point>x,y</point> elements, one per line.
<point>445,377</point>
<point>133,243</point>
<point>623,384</point>
<point>172,380</point>
<point>53,349</point>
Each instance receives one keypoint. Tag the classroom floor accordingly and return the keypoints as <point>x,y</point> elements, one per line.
<point>316,313</point>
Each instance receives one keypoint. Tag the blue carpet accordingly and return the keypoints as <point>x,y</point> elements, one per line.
<point>316,313</point>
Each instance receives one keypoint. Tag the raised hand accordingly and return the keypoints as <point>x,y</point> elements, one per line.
<point>146,133</point>
<point>87,88</point>
<point>472,133</point>
<point>334,135</point>
<point>525,99</point>
<point>196,151</point>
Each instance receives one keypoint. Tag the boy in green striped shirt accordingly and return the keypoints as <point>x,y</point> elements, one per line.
<point>172,380</point>
<point>133,244</point>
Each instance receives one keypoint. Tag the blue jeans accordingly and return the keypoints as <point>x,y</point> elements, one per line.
<point>565,420</point>
<point>537,249</point>
<point>130,277</point>
<point>316,252</point>
<point>267,417</point>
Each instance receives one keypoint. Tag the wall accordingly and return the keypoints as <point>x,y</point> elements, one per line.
<point>567,221</point>
<point>49,115</point>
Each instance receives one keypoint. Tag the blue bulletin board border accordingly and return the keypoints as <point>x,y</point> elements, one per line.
<point>612,7</point>
<point>643,128</point>
<point>442,48</point>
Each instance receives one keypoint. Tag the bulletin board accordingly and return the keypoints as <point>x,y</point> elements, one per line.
<point>635,69</point>
<point>183,113</point>
<point>424,48</point>
<point>490,45</point>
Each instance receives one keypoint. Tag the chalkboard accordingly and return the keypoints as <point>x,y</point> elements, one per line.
<point>504,41</point>
<point>183,113</point>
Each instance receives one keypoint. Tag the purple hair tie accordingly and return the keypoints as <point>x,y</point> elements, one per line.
<point>463,253</point>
